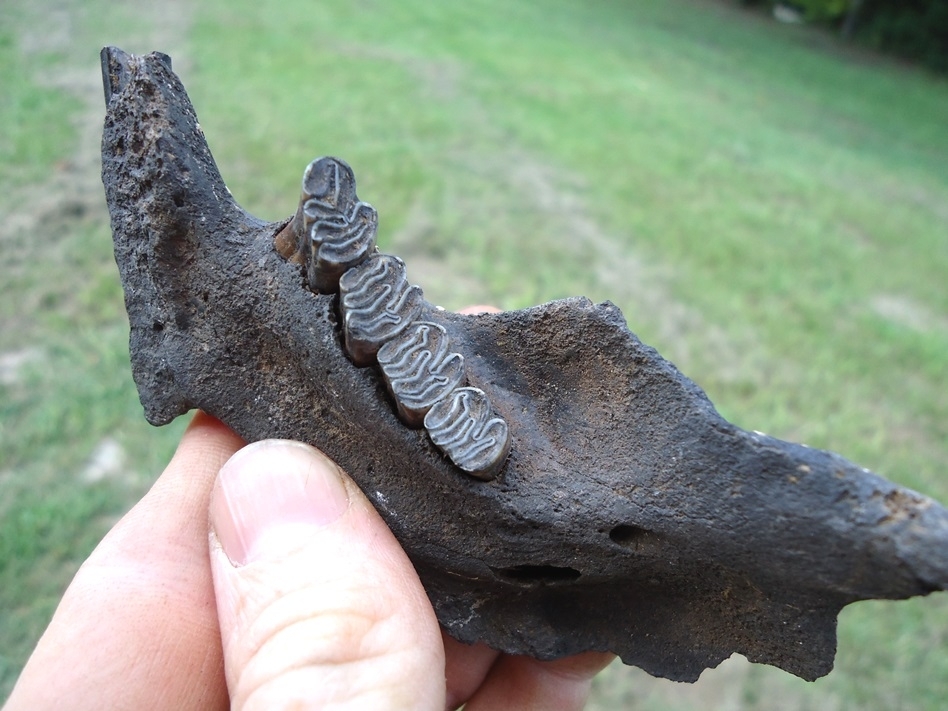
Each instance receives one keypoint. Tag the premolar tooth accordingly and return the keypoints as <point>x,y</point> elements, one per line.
<point>465,428</point>
<point>420,370</point>
<point>377,304</point>
<point>328,186</point>
<point>332,229</point>
<point>338,243</point>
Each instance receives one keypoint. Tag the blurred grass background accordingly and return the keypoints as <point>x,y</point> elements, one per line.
<point>768,208</point>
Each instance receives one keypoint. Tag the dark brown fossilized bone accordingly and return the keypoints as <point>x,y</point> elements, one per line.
<point>628,515</point>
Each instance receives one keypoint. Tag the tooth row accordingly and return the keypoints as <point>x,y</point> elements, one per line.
<point>380,325</point>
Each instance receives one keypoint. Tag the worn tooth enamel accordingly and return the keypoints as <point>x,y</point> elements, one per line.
<point>377,304</point>
<point>465,428</point>
<point>420,370</point>
<point>337,230</point>
<point>336,235</point>
<point>339,245</point>
<point>328,187</point>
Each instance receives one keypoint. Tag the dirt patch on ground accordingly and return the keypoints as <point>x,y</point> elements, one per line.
<point>12,362</point>
<point>641,288</point>
<point>107,461</point>
<point>439,80</point>
<point>907,312</point>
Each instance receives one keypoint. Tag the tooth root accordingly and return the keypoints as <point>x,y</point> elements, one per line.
<point>377,304</point>
<point>465,427</point>
<point>420,370</point>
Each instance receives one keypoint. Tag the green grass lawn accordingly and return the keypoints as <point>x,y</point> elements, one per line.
<point>769,209</point>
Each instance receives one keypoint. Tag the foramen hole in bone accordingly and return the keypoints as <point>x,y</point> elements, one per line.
<point>627,514</point>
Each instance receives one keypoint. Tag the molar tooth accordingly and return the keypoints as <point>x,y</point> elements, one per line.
<point>420,370</point>
<point>377,304</point>
<point>465,428</point>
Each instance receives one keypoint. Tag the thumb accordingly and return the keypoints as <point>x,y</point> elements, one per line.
<point>318,604</point>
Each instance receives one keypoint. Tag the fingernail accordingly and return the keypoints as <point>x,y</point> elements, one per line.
<point>271,484</point>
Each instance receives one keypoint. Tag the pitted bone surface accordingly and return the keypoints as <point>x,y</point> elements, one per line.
<point>377,304</point>
<point>465,428</point>
<point>692,538</point>
<point>340,229</point>
<point>420,370</point>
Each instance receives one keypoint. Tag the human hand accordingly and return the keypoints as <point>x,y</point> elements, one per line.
<point>316,603</point>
